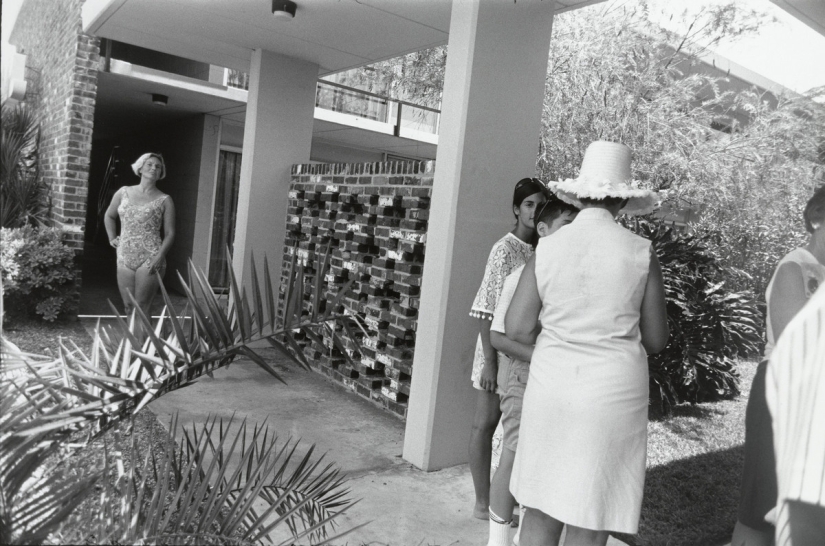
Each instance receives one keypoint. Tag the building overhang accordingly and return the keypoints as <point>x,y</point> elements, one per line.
<point>335,34</point>
<point>810,12</point>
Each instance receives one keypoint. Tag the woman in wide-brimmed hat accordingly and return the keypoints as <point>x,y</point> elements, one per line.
<point>597,291</point>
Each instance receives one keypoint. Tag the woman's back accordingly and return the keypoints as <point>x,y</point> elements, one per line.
<point>591,277</point>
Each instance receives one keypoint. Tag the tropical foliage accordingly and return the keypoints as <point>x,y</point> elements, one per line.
<point>23,195</point>
<point>38,271</point>
<point>746,161</point>
<point>710,325</point>
<point>217,486</point>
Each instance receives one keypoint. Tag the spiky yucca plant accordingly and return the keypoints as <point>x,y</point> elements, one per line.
<point>215,487</point>
<point>24,194</point>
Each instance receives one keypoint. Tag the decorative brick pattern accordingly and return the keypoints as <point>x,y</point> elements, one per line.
<point>373,218</point>
<point>63,95</point>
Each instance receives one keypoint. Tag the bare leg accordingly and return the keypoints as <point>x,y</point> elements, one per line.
<point>485,421</point>
<point>502,501</point>
<point>577,536</point>
<point>539,529</point>
<point>146,286</point>
<point>126,285</point>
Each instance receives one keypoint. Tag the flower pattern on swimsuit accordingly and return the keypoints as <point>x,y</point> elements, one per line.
<point>140,232</point>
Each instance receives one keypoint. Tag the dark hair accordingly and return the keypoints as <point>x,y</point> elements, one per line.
<point>525,188</point>
<point>607,201</point>
<point>815,209</point>
<point>552,209</point>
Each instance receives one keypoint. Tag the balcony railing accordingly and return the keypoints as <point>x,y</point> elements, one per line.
<point>356,102</point>
<point>363,104</point>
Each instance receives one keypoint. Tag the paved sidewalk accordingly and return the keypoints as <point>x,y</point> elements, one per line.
<point>406,506</point>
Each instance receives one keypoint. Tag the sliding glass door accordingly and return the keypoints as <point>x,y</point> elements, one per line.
<point>223,227</point>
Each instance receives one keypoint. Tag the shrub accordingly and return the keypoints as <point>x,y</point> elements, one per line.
<point>710,326</point>
<point>38,271</point>
<point>24,197</point>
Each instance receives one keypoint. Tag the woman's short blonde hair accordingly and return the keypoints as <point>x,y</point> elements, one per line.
<point>138,165</point>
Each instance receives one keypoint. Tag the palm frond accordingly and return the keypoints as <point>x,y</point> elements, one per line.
<point>215,486</point>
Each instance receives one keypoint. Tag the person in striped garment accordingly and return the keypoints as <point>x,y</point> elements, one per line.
<point>795,392</point>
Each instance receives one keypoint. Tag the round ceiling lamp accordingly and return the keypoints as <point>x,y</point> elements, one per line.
<point>161,100</point>
<point>284,9</point>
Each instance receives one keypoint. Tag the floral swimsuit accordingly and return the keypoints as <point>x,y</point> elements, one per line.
<point>139,239</point>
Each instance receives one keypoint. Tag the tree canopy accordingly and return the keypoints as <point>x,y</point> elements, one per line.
<point>747,159</point>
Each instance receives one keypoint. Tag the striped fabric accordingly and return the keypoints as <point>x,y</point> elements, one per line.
<point>796,398</point>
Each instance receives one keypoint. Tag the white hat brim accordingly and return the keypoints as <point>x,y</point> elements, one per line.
<point>639,200</point>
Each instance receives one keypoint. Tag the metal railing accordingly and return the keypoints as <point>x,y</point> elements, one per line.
<point>356,102</point>
<point>364,104</point>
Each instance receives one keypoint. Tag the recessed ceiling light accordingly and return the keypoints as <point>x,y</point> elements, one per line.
<point>284,9</point>
<point>159,99</point>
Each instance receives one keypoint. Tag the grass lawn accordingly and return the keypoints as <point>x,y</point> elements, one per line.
<point>694,457</point>
<point>694,462</point>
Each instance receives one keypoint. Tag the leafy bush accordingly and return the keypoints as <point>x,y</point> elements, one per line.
<point>38,271</point>
<point>24,198</point>
<point>710,326</point>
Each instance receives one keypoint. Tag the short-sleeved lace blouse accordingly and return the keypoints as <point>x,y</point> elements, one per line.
<point>507,254</point>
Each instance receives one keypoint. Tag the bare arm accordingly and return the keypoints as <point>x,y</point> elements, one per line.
<point>490,369</point>
<point>110,217</point>
<point>168,234</point>
<point>520,324</point>
<point>653,321</point>
<point>787,296</point>
<point>514,349</point>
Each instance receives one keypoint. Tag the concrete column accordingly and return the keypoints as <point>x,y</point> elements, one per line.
<point>490,123</point>
<point>201,241</point>
<point>277,134</point>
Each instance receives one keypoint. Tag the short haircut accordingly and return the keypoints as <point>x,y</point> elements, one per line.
<point>552,209</point>
<point>815,209</point>
<point>606,201</point>
<point>138,165</point>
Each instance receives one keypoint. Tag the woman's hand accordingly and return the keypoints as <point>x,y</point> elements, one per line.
<point>153,263</point>
<point>489,372</point>
<point>114,242</point>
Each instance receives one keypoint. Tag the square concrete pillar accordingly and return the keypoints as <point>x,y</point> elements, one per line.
<point>277,134</point>
<point>488,139</point>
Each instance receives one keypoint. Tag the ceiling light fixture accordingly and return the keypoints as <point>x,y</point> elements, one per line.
<point>284,9</point>
<point>159,99</point>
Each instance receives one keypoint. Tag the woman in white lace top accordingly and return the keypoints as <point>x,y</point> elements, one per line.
<point>510,252</point>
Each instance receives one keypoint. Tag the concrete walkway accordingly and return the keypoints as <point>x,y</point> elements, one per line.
<point>405,505</point>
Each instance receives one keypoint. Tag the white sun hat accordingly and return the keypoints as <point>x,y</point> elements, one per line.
<point>605,173</point>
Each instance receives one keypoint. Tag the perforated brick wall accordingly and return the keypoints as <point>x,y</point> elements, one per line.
<point>373,218</point>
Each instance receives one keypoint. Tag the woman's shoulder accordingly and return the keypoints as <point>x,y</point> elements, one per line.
<point>508,243</point>
<point>799,255</point>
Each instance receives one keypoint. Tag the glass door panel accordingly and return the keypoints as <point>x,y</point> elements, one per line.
<point>223,227</point>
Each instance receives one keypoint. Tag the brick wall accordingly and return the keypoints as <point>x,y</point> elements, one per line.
<point>63,62</point>
<point>374,218</point>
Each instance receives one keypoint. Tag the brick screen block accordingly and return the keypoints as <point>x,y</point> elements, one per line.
<point>373,219</point>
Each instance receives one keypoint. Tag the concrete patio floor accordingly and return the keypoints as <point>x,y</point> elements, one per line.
<point>405,506</point>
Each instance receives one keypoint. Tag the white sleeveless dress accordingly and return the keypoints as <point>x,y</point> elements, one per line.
<point>583,440</point>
